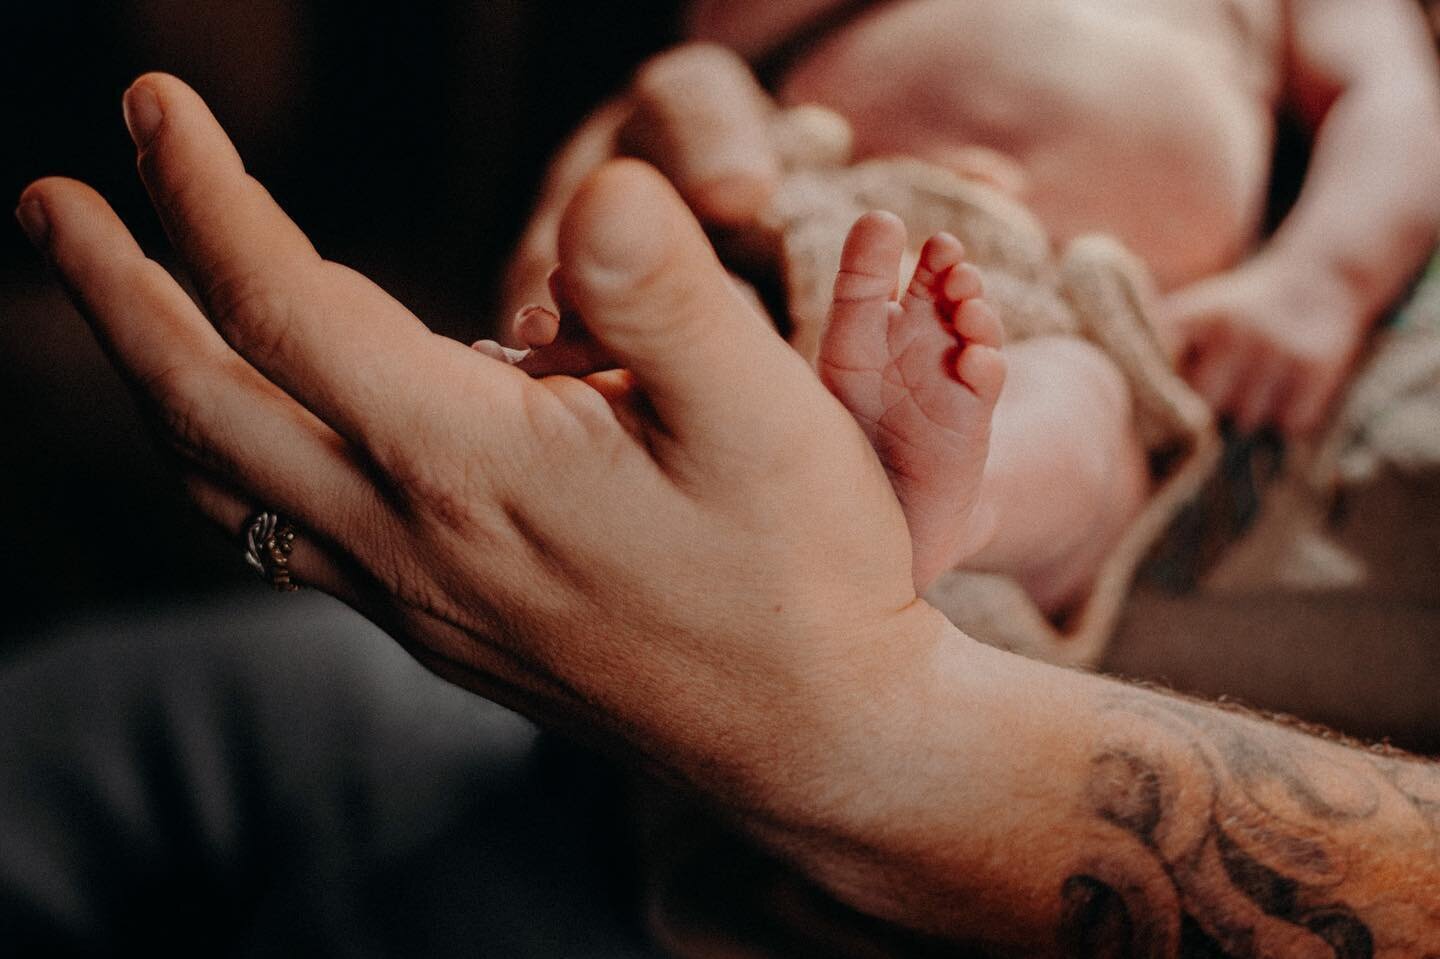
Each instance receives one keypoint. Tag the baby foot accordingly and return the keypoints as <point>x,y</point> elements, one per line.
<point>534,328</point>
<point>921,376</point>
<point>548,342</point>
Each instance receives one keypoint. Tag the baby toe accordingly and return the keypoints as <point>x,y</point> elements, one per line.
<point>977,322</point>
<point>963,283</point>
<point>938,256</point>
<point>982,370</point>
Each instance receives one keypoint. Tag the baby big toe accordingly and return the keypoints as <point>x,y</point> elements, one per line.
<point>855,336</point>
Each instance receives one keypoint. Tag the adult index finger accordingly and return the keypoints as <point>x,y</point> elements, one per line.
<point>326,335</point>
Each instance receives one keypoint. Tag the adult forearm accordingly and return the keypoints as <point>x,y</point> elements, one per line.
<point>1047,812</point>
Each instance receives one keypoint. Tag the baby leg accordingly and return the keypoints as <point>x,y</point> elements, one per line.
<point>1067,471</point>
<point>1037,480</point>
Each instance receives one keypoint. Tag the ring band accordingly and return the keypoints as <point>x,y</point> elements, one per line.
<point>269,540</point>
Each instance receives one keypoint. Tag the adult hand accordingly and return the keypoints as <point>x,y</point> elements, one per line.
<point>697,557</point>
<point>1268,343</point>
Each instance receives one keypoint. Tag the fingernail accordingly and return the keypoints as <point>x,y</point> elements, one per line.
<point>142,114</point>
<point>34,222</point>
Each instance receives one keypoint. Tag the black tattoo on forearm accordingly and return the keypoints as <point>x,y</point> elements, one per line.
<point>1220,837</point>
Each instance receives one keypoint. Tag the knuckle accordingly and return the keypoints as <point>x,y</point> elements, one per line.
<point>180,396</point>
<point>559,431</point>
<point>565,413</point>
<point>253,314</point>
<point>573,425</point>
<point>430,489</point>
<point>430,472</point>
<point>674,324</point>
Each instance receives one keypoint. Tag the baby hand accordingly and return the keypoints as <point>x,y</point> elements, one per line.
<point>1265,344</point>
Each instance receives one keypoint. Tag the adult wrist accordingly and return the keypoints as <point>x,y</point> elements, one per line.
<point>847,808</point>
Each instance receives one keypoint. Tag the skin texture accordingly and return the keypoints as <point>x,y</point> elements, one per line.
<point>785,670</point>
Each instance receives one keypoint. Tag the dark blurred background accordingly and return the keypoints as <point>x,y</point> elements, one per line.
<point>406,138</point>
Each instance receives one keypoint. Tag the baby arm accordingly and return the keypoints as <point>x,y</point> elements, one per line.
<point>1271,341</point>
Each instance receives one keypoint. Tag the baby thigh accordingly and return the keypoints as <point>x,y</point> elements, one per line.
<point>1066,470</point>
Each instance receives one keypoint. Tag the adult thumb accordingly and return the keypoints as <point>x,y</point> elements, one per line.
<point>649,288</point>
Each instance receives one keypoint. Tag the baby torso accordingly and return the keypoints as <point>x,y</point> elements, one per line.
<point>1148,119</point>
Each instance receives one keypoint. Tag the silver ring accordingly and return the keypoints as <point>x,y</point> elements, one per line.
<point>269,540</point>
